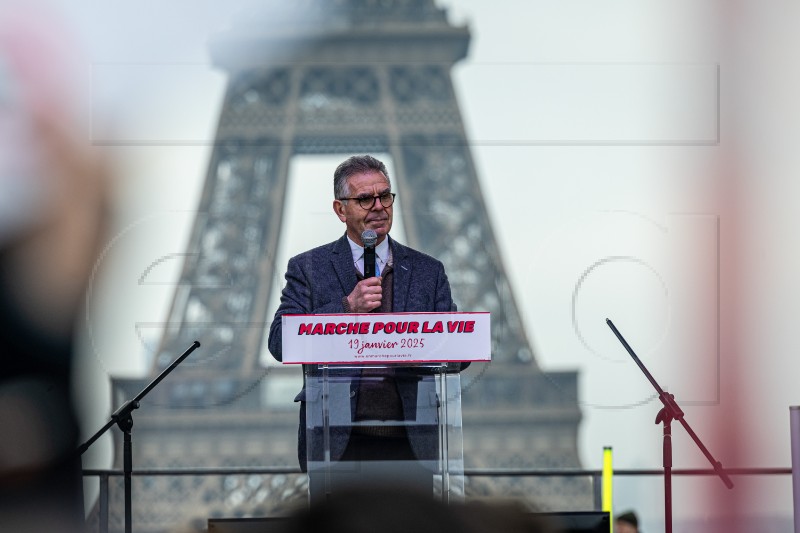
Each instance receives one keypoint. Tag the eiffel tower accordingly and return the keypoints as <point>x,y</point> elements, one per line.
<point>332,77</point>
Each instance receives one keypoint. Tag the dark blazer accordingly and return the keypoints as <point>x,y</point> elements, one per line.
<point>318,280</point>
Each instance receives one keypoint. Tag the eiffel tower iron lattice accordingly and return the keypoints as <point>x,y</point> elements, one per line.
<point>333,77</point>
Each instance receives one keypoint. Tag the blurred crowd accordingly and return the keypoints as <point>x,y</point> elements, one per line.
<point>53,213</point>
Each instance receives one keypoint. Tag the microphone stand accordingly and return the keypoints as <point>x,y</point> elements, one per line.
<point>671,411</point>
<point>123,418</point>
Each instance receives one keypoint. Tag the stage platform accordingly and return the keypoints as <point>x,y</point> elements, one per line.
<point>566,522</point>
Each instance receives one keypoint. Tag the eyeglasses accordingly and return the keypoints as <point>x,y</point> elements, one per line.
<point>366,202</point>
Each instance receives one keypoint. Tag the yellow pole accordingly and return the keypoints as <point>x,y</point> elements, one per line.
<point>608,485</point>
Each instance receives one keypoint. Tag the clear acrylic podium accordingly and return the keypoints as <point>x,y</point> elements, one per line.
<point>359,431</point>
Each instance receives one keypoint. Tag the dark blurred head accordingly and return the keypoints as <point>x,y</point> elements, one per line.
<point>626,523</point>
<point>395,510</point>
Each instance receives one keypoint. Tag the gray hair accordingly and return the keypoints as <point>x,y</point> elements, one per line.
<point>355,165</point>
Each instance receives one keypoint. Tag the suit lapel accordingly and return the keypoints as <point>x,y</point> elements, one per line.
<point>402,276</point>
<point>342,260</point>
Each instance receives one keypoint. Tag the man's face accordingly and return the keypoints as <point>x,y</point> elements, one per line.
<point>357,219</point>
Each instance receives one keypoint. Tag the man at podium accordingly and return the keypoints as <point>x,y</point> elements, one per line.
<point>331,279</point>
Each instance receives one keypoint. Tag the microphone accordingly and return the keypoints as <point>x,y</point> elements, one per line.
<point>369,238</point>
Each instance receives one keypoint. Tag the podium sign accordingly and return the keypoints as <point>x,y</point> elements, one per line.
<point>386,338</point>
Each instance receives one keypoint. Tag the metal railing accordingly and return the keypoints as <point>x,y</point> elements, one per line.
<point>595,475</point>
